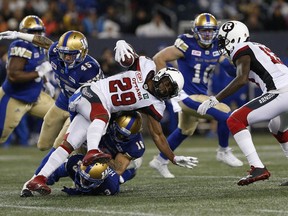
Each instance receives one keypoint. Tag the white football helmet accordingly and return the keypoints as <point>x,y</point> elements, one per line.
<point>230,34</point>
<point>174,76</point>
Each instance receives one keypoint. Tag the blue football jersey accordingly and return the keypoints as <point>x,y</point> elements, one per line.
<point>69,80</point>
<point>134,147</point>
<point>26,91</point>
<point>197,64</point>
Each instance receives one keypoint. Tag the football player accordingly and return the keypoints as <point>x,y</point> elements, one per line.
<point>124,142</point>
<point>94,179</point>
<point>197,55</point>
<point>257,63</point>
<point>21,91</point>
<point>72,67</point>
<point>92,104</point>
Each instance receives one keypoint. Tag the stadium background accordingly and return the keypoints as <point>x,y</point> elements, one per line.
<point>106,21</point>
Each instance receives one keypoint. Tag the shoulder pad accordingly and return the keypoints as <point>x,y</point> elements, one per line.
<point>180,44</point>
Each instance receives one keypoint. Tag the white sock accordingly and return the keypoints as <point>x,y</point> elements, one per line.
<point>94,133</point>
<point>56,159</point>
<point>245,143</point>
<point>162,160</point>
<point>284,147</point>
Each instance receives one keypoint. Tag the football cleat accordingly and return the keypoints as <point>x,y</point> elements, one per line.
<point>161,167</point>
<point>255,174</point>
<point>38,184</point>
<point>94,156</point>
<point>284,183</point>
<point>26,193</point>
<point>228,157</point>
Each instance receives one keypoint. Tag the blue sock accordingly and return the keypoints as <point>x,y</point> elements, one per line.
<point>44,161</point>
<point>128,174</point>
<point>57,174</point>
<point>222,129</point>
<point>174,140</point>
<point>223,134</point>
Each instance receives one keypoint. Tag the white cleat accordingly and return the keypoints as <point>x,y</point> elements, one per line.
<point>161,167</point>
<point>227,157</point>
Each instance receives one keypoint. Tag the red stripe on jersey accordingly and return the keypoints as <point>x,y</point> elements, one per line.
<point>98,111</point>
<point>155,115</point>
<point>138,65</point>
<point>282,137</point>
<point>238,120</point>
<point>240,51</point>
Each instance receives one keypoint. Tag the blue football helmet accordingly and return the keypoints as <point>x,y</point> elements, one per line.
<point>72,48</point>
<point>89,177</point>
<point>32,24</point>
<point>126,126</point>
<point>205,28</point>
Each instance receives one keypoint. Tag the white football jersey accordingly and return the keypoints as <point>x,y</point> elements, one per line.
<point>125,91</point>
<point>266,69</point>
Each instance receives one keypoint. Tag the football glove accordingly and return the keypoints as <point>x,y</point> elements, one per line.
<point>11,35</point>
<point>122,49</point>
<point>71,191</point>
<point>44,68</point>
<point>188,162</point>
<point>207,104</point>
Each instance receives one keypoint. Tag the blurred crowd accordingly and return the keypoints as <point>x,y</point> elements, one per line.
<point>151,18</point>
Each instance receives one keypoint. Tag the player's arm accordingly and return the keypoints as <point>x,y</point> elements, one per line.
<point>159,138</point>
<point>242,74</point>
<point>166,55</point>
<point>42,41</point>
<point>120,163</point>
<point>15,73</point>
<point>38,40</point>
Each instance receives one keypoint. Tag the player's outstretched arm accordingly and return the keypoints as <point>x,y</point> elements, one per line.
<point>160,140</point>
<point>38,40</point>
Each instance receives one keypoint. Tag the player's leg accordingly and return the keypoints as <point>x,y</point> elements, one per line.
<point>279,129</point>
<point>220,113</point>
<point>75,136</point>
<point>253,112</point>
<point>54,127</point>
<point>12,111</point>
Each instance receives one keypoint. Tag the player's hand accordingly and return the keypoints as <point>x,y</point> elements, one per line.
<point>71,191</point>
<point>188,162</point>
<point>49,89</point>
<point>207,104</point>
<point>44,68</point>
<point>11,35</point>
<point>122,49</point>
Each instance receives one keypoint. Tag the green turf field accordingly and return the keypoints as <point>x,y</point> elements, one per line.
<point>209,189</point>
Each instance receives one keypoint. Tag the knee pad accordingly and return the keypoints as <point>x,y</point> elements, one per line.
<point>282,137</point>
<point>235,125</point>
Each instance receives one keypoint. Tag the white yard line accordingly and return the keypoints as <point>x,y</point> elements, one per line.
<point>74,210</point>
